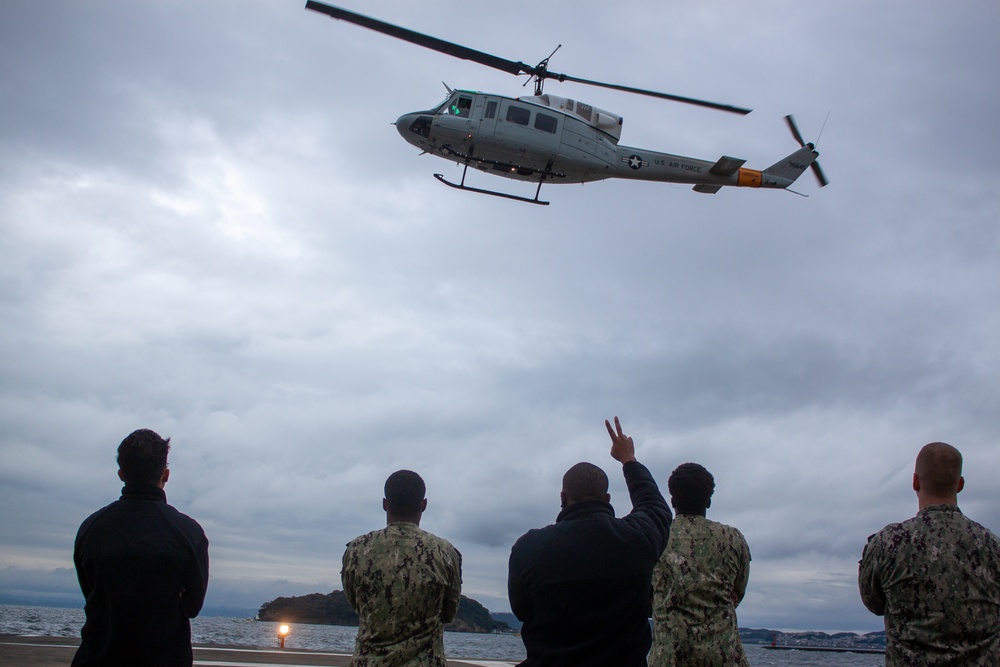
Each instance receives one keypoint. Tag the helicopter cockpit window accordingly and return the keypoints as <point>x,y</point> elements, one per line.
<point>545,123</point>
<point>461,106</point>
<point>518,115</point>
<point>421,126</point>
<point>443,107</point>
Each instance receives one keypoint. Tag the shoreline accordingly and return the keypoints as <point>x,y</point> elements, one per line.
<point>822,649</point>
<point>48,651</point>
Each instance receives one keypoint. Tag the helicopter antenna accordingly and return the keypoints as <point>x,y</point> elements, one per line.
<point>823,127</point>
<point>447,87</point>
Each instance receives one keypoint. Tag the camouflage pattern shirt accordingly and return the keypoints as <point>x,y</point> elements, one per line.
<point>936,579</point>
<point>404,583</point>
<point>701,577</point>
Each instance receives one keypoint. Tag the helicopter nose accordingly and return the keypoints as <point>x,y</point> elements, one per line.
<point>415,126</point>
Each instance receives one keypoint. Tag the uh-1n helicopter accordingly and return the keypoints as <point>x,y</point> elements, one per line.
<point>548,139</point>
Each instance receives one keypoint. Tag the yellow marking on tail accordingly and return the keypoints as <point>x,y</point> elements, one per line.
<point>749,178</point>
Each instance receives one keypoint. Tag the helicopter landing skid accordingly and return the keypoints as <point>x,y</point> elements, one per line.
<point>505,195</point>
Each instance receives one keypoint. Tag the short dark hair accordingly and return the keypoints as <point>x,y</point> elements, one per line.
<point>583,482</point>
<point>939,467</point>
<point>142,457</point>
<point>404,491</point>
<point>691,487</point>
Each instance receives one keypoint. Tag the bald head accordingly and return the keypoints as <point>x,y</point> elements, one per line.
<point>938,472</point>
<point>583,482</point>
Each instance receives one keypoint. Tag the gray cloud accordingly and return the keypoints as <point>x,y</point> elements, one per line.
<point>210,228</point>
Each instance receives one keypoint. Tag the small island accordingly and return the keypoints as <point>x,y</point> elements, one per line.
<point>334,609</point>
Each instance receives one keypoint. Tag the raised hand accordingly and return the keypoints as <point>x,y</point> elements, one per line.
<point>622,447</point>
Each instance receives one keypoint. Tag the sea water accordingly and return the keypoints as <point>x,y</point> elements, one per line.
<point>58,622</point>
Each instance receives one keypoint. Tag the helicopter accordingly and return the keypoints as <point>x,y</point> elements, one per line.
<point>545,138</point>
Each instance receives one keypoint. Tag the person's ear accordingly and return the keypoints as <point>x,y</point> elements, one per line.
<point>385,504</point>
<point>423,505</point>
<point>121,475</point>
<point>961,484</point>
<point>916,483</point>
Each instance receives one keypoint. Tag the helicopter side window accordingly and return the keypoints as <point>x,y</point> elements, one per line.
<point>491,110</point>
<point>518,115</point>
<point>545,123</point>
<point>461,107</point>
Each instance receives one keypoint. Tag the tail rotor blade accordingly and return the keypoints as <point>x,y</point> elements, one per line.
<point>795,130</point>
<point>819,174</point>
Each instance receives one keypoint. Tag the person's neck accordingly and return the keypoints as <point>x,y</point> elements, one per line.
<point>927,501</point>
<point>402,518</point>
<point>701,513</point>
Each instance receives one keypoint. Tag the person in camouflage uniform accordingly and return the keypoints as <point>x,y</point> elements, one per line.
<point>935,577</point>
<point>403,582</point>
<point>700,579</point>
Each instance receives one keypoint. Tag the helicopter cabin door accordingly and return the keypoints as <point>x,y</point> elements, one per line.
<point>528,131</point>
<point>487,109</point>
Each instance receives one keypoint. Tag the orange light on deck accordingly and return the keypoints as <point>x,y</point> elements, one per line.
<point>282,633</point>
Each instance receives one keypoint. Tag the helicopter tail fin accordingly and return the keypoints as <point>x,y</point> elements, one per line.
<point>786,171</point>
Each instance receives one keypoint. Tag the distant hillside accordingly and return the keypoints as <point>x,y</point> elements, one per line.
<point>314,608</point>
<point>871,640</point>
<point>334,609</point>
<point>508,618</point>
<point>474,617</point>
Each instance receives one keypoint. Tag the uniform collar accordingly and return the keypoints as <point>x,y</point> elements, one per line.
<point>143,492</point>
<point>585,508</point>
<point>944,507</point>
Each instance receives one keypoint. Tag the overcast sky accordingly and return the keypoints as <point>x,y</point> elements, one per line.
<point>209,227</point>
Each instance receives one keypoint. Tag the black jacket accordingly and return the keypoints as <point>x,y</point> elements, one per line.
<point>143,569</point>
<point>582,585</point>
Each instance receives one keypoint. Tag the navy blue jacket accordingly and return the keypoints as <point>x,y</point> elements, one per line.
<point>581,586</point>
<point>143,569</point>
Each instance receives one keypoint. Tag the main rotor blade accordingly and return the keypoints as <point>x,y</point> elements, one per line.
<point>652,93</point>
<point>502,64</point>
<point>420,39</point>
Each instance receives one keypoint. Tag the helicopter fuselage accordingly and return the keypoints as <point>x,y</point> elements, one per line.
<point>558,140</point>
<point>547,139</point>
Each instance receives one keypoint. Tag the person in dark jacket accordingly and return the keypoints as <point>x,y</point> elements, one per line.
<point>142,566</point>
<point>581,586</point>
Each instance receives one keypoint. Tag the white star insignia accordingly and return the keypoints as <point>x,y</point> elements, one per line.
<point>635,162</point>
